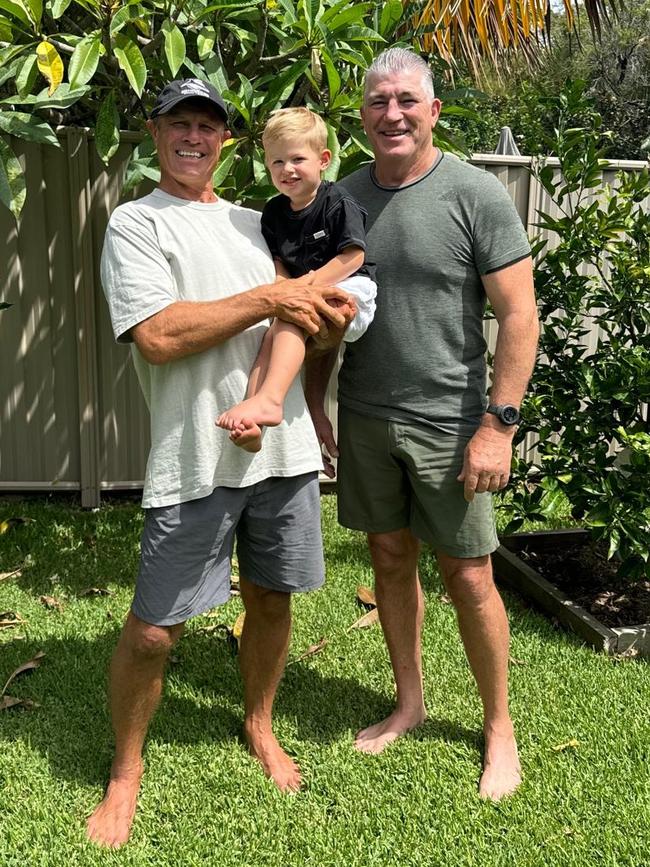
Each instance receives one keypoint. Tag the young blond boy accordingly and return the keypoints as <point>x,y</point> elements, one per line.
<point>312,227</point>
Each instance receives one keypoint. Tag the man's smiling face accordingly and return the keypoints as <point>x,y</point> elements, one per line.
<point>398,117</point>
<point>188,141</point>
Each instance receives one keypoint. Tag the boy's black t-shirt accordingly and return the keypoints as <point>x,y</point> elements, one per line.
<point>306,240</point>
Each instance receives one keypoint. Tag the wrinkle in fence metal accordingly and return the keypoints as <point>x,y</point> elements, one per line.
<point>71,413</point>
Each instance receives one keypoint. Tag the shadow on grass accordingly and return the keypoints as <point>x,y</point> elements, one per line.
<point>202,703</point>
<point>61,543</point>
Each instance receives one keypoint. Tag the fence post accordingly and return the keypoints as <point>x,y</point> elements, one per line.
<point>84,303</point>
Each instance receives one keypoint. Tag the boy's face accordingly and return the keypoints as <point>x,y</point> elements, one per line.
<point>296,170</point>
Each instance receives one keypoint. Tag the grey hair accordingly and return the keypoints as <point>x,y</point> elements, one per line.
<point>396,60</point>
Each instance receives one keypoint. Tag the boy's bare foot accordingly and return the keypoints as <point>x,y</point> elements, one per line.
<point>110,824</point>
<point>501,769</point>
<point>276,764</point>
<point>376,738</point>
<point>248,436</point>
<point>259,409</point>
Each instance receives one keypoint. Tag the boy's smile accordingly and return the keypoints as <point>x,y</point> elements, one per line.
<point>296,171</point>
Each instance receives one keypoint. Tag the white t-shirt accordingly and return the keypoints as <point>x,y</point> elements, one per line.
<point>161,249</point>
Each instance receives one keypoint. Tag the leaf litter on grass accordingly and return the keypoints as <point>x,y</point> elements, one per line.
<point>369,619</point>
<point>10,619</point>
<point>232,634</point>
<point>10,523</point>
<point>569,745</point>
<point>366,597</point>
<point>7,701</point>
<point>312,650</point>
<point>51,603</point>
<point>96,591</point>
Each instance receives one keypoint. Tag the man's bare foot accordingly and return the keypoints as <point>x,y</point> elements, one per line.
<point>376,738</point>
<point>260,409</point>
<point>247,436</point>
<point>276,764</point>
<point>110,824</point>
<point>501,769</point>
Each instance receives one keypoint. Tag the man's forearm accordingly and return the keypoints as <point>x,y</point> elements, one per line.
<point>514,359</point>
<point>189,327</point>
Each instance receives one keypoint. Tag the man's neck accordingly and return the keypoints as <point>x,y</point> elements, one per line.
<point>390,173</point>
<point>185,191</point>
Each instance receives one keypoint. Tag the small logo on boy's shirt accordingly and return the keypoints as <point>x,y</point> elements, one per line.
<point>321,233</point>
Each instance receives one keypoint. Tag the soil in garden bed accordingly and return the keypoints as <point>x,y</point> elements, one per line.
<point>583,572</point>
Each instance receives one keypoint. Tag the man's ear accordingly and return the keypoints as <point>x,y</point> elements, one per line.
<point>153,129</point>
<point>226,135</point>
<point>436,107</point>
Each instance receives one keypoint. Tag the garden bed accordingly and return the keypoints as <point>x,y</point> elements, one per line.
<point>566,576</point>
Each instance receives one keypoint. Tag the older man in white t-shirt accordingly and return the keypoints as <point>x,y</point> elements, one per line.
<point>177,269</point>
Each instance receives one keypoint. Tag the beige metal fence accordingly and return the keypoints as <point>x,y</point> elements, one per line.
<point>71,413</point>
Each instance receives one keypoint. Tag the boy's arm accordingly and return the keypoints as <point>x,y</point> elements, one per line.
<point>345,263</point>
<point>281,272</point>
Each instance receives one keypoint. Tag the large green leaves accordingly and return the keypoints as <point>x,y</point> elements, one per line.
<point>15,10</point>
<point>59,7</point>
<point>261,54</point>
<point>205,41</point>
<point>27,127</point>
<point>391,14</point>
<point>131,61</point>
<point>64,97</point>
<point>34,10</point>
<point>12,180</point>
<point>85,58</point>
<point>174,46</point>
<point>107,131</point>
<point>26,74</point>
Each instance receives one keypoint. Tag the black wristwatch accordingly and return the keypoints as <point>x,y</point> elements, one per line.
<point>506,413</point>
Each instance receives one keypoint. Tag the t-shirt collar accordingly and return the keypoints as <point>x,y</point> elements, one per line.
<point>417,180</point>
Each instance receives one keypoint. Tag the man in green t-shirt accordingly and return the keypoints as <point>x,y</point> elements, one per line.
<point>421,447</point>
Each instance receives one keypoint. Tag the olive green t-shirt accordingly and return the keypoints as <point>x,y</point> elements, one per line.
<point>423,357</point>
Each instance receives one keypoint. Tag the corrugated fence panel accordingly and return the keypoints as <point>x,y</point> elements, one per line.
<point>124,418</point>
<point>39,425</point>
<point>71,411</point>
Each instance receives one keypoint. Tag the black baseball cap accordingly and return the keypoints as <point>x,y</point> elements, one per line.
<point>188,88</point>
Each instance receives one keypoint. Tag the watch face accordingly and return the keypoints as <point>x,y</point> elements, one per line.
<point>510,414</point>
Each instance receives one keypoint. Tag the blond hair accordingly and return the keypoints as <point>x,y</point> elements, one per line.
<point>298,124</point>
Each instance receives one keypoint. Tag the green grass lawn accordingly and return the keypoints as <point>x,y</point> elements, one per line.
<point>204,801</point>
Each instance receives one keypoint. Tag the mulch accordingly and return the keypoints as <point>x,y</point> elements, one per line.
<point>583,572</point>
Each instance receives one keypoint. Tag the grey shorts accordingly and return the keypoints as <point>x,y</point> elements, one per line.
<point>393,475</point>
<point>187,548</point>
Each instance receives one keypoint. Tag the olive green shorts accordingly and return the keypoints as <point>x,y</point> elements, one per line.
<point>393,475</point>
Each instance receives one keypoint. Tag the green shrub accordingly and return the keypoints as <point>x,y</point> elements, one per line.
<point>587,405</point>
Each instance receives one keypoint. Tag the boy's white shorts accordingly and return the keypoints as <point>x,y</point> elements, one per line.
<point>364,291</point>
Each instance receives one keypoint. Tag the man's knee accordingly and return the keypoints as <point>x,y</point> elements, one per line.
<point>394,554</point>
<point>148,641</point>
<point>469,581</point>
<point>263,602</point>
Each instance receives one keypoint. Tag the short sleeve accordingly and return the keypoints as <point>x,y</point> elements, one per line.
<point>346,222</point>
<point>499,235</point>
<point>135,274</point>
<point>268,230</point>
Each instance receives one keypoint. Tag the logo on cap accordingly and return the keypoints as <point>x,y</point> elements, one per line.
<point>194,87</point>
